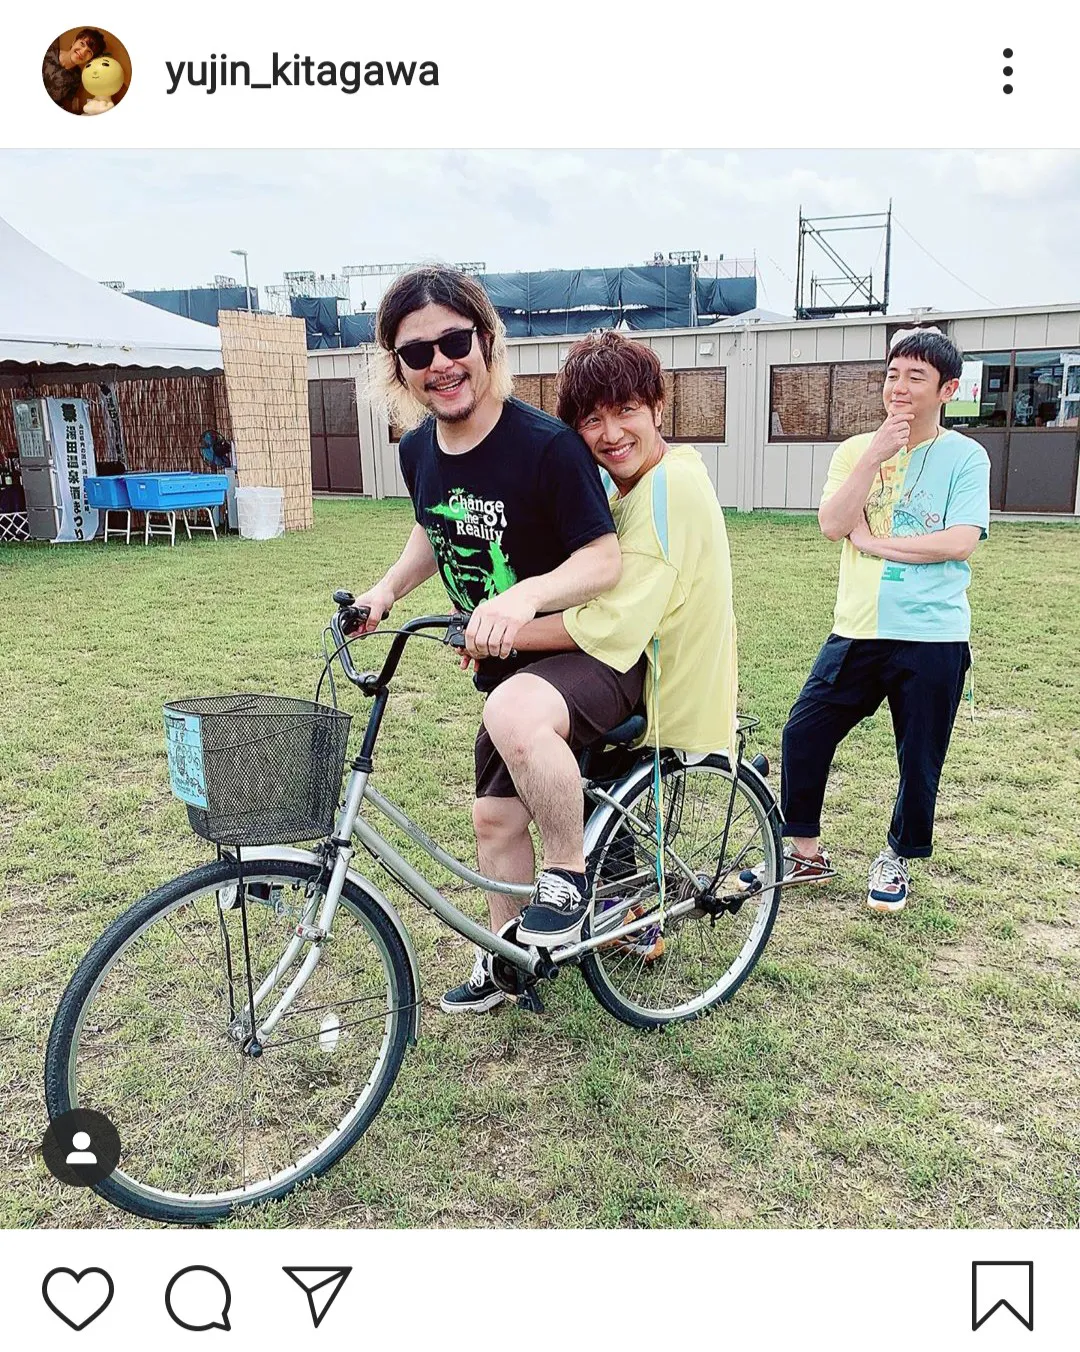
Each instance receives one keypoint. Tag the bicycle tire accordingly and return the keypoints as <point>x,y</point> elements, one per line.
<point>62,1069</point>
<point>602,966</point>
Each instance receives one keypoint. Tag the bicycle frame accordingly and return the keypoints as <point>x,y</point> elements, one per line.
<point>316,929</point>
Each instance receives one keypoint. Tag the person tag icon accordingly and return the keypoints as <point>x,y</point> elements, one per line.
<point>81,1154</point>
<point>81,1148</point>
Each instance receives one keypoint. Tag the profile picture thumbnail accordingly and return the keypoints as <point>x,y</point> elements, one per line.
<point>86,71</point>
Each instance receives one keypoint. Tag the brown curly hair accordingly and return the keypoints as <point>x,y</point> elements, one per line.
<point>604,370</point>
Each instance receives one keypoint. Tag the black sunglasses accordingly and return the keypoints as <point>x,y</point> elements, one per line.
<point>454,345</point>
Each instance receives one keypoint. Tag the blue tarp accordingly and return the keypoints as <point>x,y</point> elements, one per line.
<point>646,317</point>
<point>726,295</point>
<point>517,325</point>
<point>507,290</point>
<point>572,322</point>
<point>664,292</point>
<point>531,304</point>
<point>320,316</point>
<point>659,287</point>
<point>553,290</point>
<point>551,323</point>
<point>554,322</point>
<point>358,328</point>
<point>551,302</point>
<point>201,303</point>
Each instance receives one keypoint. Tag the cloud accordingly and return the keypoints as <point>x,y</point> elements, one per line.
<point>1021,175</point>
<point>1003,221</point>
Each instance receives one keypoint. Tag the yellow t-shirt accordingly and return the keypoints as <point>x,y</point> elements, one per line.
<point>676,588</point>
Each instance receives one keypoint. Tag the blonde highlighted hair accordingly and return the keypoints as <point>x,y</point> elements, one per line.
<point>432,284</point>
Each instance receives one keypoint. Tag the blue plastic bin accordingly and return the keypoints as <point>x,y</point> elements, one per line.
<point>175,492</point>
<point>107,492</point>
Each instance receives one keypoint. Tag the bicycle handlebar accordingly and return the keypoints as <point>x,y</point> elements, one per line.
<point>349,617</point>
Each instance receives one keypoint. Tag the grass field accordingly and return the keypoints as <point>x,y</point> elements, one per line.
<point>916,1070</point>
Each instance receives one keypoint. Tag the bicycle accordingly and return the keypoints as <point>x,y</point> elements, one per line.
<point>184,1022</point>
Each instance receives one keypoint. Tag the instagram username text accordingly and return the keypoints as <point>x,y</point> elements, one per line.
<point>298,72</point>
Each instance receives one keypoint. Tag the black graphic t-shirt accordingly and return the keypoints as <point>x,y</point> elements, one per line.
<point>515,506</point>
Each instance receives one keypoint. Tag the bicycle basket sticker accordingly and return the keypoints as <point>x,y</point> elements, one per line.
<point>183,744</point>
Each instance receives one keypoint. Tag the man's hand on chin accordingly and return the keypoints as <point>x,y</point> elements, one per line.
<point>494,624</point>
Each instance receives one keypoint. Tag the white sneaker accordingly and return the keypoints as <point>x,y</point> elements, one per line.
<point>889,883</point>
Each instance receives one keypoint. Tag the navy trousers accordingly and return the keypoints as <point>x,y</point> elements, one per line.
<point>923,683</point>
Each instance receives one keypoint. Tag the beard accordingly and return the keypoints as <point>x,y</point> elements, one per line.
<point>456,415</point>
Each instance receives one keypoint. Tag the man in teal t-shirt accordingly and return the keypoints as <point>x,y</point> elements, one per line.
<point>910,503</point>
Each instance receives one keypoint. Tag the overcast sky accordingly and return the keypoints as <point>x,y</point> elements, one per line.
<point>1004,223</point>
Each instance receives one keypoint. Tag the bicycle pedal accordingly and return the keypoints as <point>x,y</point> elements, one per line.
<point>528,1000</point>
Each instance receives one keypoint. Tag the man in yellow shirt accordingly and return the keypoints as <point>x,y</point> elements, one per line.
<point>673,600</point>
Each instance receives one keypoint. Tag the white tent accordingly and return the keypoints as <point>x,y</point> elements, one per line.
<point>51,315</point>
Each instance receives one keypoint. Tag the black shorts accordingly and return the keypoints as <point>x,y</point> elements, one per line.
<point>598,697</point>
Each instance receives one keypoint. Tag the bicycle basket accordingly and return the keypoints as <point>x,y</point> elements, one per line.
<point>256,769</point>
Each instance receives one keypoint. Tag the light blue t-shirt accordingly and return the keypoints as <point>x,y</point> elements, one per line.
<point>941,483</point>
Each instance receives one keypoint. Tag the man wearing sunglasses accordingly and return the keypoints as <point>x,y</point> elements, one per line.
<point>511,513</point>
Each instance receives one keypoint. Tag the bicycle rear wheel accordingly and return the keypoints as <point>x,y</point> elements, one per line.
<point>680,966</point>
<point>152,1027</point>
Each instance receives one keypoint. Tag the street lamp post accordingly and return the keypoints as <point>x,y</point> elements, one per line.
<point>242,253</point>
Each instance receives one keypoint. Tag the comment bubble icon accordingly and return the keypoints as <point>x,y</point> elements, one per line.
<point>198,1298</point>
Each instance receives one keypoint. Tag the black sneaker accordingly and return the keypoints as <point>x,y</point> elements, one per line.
<point>556,913</point>
<point>475,996</point>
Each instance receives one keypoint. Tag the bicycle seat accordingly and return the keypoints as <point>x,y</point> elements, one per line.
<point>631,729</point>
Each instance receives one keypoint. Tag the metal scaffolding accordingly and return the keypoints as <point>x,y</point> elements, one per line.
<point>394,269</point>
<point>305,284</point>
<point>849,293</point>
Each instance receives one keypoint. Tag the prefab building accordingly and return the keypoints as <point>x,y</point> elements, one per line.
<point>766,403</point>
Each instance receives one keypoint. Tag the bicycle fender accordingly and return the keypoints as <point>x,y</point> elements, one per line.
<point>622,792</point>
<point>766,787</point>
<point>382,901</point>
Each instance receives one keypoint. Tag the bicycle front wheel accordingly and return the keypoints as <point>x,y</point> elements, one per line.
<point>681,965</point>
<point>154,1032</point>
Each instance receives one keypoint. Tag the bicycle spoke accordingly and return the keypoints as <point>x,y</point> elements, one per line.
<point>185,943</point>
<point>693,957</point>
<point>158,1051</point>
<point>341,1028</point>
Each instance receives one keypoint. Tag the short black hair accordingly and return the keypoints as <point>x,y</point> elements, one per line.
<point>933,348</point>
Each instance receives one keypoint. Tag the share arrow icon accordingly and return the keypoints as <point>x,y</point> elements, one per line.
<point>320,1285</point>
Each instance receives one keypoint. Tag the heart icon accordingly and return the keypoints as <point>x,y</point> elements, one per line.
<point>77,1305</point>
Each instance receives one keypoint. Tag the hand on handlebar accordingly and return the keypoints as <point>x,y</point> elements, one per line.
<point>495,623</point>
<point>377,602</point>
<point>455,639</point>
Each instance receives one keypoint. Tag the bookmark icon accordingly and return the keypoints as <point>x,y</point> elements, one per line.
<point>996,1286</point>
